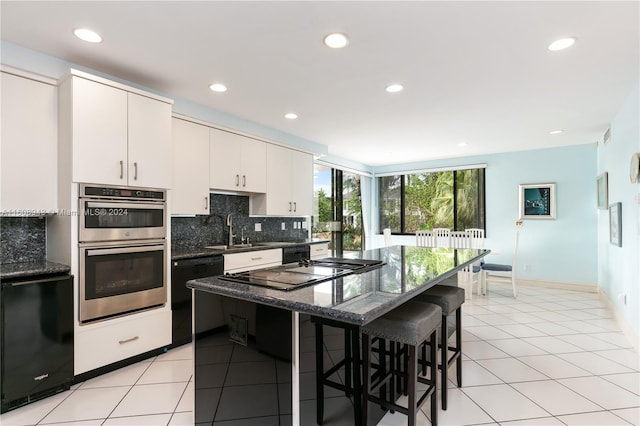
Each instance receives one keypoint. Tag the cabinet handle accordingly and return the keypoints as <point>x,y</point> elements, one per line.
<point>121,169</point>
<point>135,171</point>
<point>237,180</point>
<point>122,342</point>
<point>289,205</point>
<point>42,377</point>
<point>206,203</point>
<point>295,207</point>
<point>244,180</point>
<point>256,258</point>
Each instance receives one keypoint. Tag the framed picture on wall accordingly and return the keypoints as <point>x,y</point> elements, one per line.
<point>615,224</point>
<point>537,201</point>
<point>602,191</point>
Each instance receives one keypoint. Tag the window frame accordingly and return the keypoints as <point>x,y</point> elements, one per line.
<point>481,195</point>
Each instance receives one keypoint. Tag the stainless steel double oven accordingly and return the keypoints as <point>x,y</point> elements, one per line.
<point>122,250</point>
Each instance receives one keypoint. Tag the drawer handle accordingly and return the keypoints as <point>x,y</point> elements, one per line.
<point>39,378</point>
<point>318,250</point>
<point>122,342</point>
<point>256,258</point>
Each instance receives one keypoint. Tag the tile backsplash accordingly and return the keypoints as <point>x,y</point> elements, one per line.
<point>23,239</point>
<point>200,231</point>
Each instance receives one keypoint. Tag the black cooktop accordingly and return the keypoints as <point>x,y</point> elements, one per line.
<point>304,273</point>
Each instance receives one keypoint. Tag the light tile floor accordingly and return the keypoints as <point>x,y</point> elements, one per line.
<point>550,357</point>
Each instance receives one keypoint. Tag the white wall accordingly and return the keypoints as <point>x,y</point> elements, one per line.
<point>619,267</point>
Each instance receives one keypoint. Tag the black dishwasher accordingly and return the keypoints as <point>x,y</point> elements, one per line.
<point>37,338</point>
<point>181,311</point>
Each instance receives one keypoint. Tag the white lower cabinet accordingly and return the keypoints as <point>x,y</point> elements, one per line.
<point>247,261</point>
<point>319,251</point>
<point>110,341</point>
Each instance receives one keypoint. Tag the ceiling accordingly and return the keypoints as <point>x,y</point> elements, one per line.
<point>475,73</point>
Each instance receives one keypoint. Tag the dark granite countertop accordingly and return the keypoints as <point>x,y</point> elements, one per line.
<point>192,253</point>
<point>31,269</point>
<point>358,298</point>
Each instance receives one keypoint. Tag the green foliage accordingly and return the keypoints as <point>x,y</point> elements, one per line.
<point>429,201</point>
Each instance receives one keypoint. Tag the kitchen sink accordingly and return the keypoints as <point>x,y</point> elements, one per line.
<point>235,246</point>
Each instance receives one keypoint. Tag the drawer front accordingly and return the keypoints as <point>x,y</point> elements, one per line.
<point>105,343</point>
<point>247,261</point>
<point>318,251</point>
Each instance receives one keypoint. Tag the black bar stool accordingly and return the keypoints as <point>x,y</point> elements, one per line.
<point>350,362</point>
<point>411,324</point>
<point>450,299</point>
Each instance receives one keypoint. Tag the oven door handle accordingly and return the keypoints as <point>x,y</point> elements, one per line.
<point>118,205</point>
<point>123,250</point>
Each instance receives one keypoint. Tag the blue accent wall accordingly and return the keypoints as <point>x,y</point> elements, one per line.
<point>619,267</point>
<point>561,250</point>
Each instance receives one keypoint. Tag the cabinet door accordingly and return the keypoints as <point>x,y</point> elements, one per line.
<point>225,149</point>
<point>99,133</point>
<point>190,193</point>
<point>29,151</point>
<point>278,198</point>
<point>149,142</point>
<point>253,157</point>
<point>302,183</point>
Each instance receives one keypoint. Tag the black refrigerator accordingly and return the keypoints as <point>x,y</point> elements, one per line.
<point>36,338</point>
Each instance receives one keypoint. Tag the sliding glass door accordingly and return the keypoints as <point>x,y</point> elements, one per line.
<point>337,212</point>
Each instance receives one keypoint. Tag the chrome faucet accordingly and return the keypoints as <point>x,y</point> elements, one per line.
<point>230,225</point>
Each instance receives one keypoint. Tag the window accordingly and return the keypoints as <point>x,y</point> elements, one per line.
<point>451,199</point>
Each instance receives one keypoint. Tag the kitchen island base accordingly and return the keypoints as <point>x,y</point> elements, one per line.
<point>241,383</point>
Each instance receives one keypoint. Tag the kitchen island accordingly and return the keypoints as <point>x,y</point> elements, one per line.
<point>279,392</point>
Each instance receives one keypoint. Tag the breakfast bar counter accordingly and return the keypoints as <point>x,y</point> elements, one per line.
<point>355,299</point>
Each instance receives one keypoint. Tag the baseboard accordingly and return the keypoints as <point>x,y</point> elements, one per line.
<point>627,329</point>
<point>564,285</point>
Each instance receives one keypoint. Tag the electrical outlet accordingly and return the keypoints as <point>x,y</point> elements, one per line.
<point>527,267</point>
<point>258,227</point>
<point>295,225</point>
<point>623,298</point>
<point>284,226</point>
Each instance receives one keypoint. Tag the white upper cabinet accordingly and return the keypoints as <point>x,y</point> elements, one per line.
<point>237,163</point>
<point>29,145</point>
<point>117,135</point>
<point>149,142</point>
<point>190,194</point>
<point>289,184</point>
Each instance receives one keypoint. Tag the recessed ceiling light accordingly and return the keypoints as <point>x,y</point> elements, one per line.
<point>462,144</point>
<point>336,40</point>
<point>87,35</point>
<point>218,87</point>
<point>291,115</point>
<point>394,88</point>
<point>562,43</point>
<point>556,132</point>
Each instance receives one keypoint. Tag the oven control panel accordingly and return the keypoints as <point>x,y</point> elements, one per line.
<point>121,193</point>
